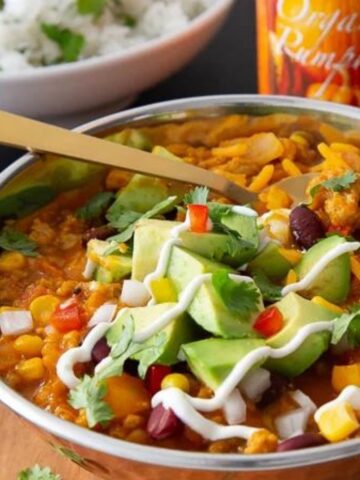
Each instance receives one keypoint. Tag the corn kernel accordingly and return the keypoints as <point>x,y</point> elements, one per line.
<point>344,376</point>
<point>338,423</point>
<point>290,168</point>
<point>262,179</point>
<point>42,309</point>
<point>355,266</point>
<point>31,370</point>
<point>10,261</point>
<point>29,345</point>
<point>176,380</point>
<point>291,277</point>
<point>291,255</point>
<point>330,306</point>
<point>163,290</point>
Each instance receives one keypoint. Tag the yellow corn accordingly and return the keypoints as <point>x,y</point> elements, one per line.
<point>31,370</point>
<point>29,345</point>
<point>291,255</point>
<point>163,290</point>
<point>291,277</point>
<point>10,261</point>
<point>42,309</point>
<point>262,179</point>
<point>338,423</point>
<point>345,375</point>
<point>176,380</point>
<point>330,306</point>
<point>290,168</point>
<point>355,266</point>
<point>231,151</point>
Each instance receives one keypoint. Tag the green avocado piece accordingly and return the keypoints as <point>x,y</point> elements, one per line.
<point>113,268</point>
<point>164,152</point>
<point>181,330</point>
<point>298,312</point>
<point>142,193</point>
<point>131,138</point>
<point>333,282</point>
<point>271,262</point>
<point>211,360</point>
<point>207,308</point>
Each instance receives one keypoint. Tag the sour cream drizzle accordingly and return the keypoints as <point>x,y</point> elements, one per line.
<point>319,266</point>
<point>350,394</point>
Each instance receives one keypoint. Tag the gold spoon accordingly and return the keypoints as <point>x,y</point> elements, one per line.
<point>38,137</point>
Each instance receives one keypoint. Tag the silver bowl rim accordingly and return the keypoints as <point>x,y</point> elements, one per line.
<point>160,456</point>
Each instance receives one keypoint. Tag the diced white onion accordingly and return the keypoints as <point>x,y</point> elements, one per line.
<point>255,384</point>
<point>235,408</point>
<point>93,286</point>
<point>89,269</point>
<point>134,294</point>
<point>292,423</point>
<point>15,322</point>
<point>304,401</point>
<point>103,314</point>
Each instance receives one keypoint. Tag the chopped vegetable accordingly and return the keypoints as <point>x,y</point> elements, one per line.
<point>338,423</point>
<point>269,322</point>
<point>176,380</point>
<point>199,216</point>
<point>37,473</point>
<point>127,395</point>
<point>68,317</point>
<point>134,293</point>
<point>13,240</point>
<point>163,290</point>
<point>198,196</point>
<point>95,207</point>
<point>344,376</point>
<point>269,290</point>
<point>91,7</point>
<point>349,324</point>
<point>42,309</point>
<point>70,43</point>
<point>15,322</point>
<point>154,377</point>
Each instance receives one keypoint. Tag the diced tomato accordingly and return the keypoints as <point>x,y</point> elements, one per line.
<point>199,215</point>
<point>68,317</point>
<point>269,322</point>
<point>345,231</point>
<point>154,377</point>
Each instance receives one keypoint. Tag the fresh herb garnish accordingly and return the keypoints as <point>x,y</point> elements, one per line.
<point>198,196</point>
<point>120,217</point>
<point>70,43</point>
<point>95,207</point>
<point>270,292</point>
<point>129,21</point>
<point>336,184</point>
<point>348,324</point>
<point>13,240</point>
<point>91,7</point>
<point>37,473</point>
<point>241,298</point>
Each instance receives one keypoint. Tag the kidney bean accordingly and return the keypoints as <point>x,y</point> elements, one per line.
<point>163,423</point>
<point>277,388</point>
<point>100,233</point>
<point>100,351</point>
<point>305,226</point>
<point>306,440</point>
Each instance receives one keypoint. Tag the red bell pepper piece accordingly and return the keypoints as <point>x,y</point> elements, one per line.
<point>154,377</point>
<point>68,317</point>
<point>269,322</point>
<point>199,215</point>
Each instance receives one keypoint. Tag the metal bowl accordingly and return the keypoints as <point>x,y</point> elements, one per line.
<point>111,458</point>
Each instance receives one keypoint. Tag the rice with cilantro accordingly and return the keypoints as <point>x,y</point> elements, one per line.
<point>46,32</point>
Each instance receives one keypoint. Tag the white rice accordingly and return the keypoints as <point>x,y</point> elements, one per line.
<point>23,45</point>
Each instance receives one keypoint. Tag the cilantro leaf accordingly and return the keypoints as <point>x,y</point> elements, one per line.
<point>150,353</point>
<point>217,211</point>
<point>121,345</point>
<point>119,217</point>
<point>70,43</point>
<point>37,473</point>
<point>268,289</point>
<point>241,298</point>
<point>336,184</point>
<point>95,207</point>
<point>347,324</point>
<point>198,196</point>
<point>13,240</point>
<point>89,395</point>
<point>91,7</point>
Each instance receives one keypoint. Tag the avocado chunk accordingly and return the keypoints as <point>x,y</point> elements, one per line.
<point>211,360</point>
<point>211,245</point>
<point>110,268</point>
<point>181,330</point>
<point>131,137</point>
<point>333,282</point>
<point>164,152</point>
<point>298,312</point>
<point>207,308</point>
<point>271,262</point>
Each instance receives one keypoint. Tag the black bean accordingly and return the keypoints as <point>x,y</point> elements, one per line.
<point>100,351</point>
<point>162,423</point>
<point>306,440</point>
<point>305,226</point>
<point>274,392</point>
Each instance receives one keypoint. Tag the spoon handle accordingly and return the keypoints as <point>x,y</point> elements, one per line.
<point>35,136</point>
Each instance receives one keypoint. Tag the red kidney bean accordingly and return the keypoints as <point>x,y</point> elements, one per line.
<point>306,440</point>
<point>101,233</point>
<point>163,423</point>
<point>100,351</point>
<point>305,226</point>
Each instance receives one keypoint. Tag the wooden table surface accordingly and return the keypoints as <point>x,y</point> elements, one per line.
<point>21,448</point>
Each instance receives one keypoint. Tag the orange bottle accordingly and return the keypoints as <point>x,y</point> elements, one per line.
<point>310,48</point>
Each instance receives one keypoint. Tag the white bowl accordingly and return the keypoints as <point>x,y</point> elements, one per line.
<point>90,84</point>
